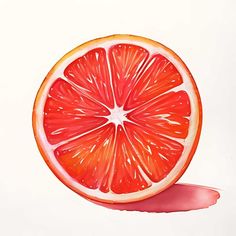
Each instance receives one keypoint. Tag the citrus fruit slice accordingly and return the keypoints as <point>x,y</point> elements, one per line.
<point>118,118</point>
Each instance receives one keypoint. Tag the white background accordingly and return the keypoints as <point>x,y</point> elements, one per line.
<point>35,34</point>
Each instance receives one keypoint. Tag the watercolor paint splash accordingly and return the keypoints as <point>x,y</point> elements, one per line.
<point>179,197</point>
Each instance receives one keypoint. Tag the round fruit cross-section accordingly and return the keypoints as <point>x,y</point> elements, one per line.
<point>118,118</point>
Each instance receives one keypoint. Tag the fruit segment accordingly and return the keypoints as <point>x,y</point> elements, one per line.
<point>157,154</point>
<point>68,113</point>
<point>159,76</point>
<point>127,175</point>
<point>87,159</point>
<point>126,61</point>
<point>167,114</point>
<point>90,73</point>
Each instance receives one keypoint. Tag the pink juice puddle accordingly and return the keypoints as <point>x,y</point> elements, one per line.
<point>179,197</point>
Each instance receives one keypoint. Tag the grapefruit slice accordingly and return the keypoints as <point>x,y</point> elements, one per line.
<point>118,118</point>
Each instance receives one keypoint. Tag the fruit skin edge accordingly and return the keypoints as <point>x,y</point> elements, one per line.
<point>93,42</point>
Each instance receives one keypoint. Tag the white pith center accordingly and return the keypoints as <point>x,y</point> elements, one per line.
<point>117,116</point>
